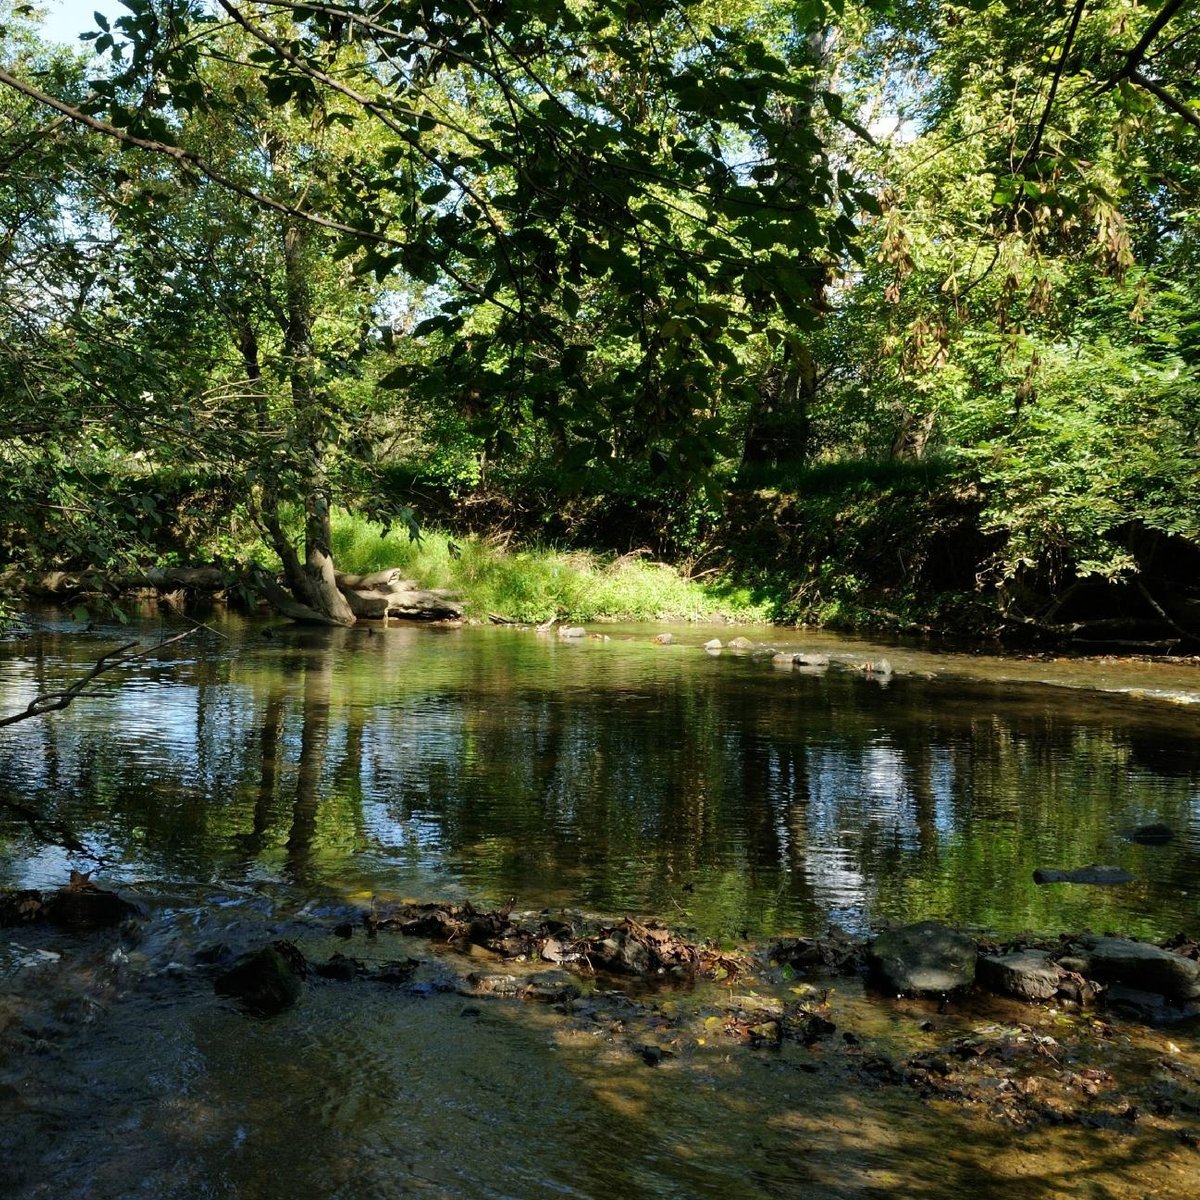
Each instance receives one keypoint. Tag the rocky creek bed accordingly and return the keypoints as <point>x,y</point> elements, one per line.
<point>1086,1030</point>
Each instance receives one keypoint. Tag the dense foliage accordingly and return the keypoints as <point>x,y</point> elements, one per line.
<point>881,307</point>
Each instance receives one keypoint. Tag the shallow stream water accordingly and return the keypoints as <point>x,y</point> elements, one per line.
<point>251,786</point>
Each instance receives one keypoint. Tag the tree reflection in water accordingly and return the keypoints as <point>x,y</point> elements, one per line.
<point>616,776</point>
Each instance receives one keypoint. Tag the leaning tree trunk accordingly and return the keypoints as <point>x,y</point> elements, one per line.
<point>313,581</point>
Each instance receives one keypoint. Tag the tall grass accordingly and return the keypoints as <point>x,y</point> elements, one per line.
<point>533,584</point>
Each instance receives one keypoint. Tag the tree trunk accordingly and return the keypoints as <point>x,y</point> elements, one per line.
<point>312,581</point>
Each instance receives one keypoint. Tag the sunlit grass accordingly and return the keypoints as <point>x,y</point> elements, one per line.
<point>535,584</point>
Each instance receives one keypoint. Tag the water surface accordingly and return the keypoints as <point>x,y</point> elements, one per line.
<point>617,775</point>
<point>248,787</point>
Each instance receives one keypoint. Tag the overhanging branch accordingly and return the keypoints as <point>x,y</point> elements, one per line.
<point>49,702</point>
<point>189,160</point>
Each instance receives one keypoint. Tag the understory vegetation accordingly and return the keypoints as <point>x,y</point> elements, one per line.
<point>882,314</point>
<point>535,584</point>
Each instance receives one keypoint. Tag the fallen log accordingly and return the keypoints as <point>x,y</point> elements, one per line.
<point>387,580</point>
<point>159,579</point>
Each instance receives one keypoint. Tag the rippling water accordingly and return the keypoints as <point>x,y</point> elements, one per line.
<point>244,780</point>
<point>617,775</point>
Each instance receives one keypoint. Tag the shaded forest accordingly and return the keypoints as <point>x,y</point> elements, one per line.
<point>886,311</point>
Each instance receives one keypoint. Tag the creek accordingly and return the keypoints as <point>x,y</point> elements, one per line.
<point>246,787</point>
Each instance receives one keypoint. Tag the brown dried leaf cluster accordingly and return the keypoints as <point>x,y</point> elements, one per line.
<point>647,950</point>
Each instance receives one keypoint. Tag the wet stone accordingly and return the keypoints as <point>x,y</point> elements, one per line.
<point>1151,1008</point>
<point>478,984</point>
<point>267,981</point>
<point>340,968</point>
<point>925,959</point>
<point>551,987</point>
<point>812,660</point>
<point>396,970</point>
<point>1155,834</point>
<point>21,908</point>
<point>218,954</point>
<point>1026,974</point>
<point>1104,876</point>
<point>81,908</point>
<point>621,954</point>
<point>810,1028</point>
<point>1140,965</point>
<point>652,1055</point>
<point>765,1032</point>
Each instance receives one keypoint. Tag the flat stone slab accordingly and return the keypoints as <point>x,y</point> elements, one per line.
<point>1093,873</point>
<point>925,959</point>
<point>1139,965</point>
<point>1025,974</point>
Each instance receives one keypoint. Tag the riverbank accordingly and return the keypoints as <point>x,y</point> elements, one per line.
<point>490,580</point>
<point>760,1065</point>
<point>890,554</point>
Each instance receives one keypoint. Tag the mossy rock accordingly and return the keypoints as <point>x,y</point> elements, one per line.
<point>267,981</point>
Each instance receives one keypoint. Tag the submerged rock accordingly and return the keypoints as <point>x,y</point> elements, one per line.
<point>1025,974</point>
<point>1154,834</point>
<point>267,981</point>
<point>713,645</point>
<point>1152,1008</point>
<point>551,987</point>
<point>22,908</point>
<point>740,643</point>
<point>1093,873</point>
<point>782,658</point>
<point>811,660</point>
<point>663,639</point>
<point>83,908</point>
<point>341,968</point>
<point>1138,965</point>
<point>546,987</point>
<point>922,959</point>
<point>81,905</point>
<point>480,984</point>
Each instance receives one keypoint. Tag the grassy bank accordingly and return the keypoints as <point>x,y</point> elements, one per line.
<point>532,584</point>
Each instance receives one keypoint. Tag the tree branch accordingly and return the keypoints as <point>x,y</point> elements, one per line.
<point>1060,66</point>
<point>1134,58</point>
<point>188,159</point>
<point>1177,106</point>
<point>56,701</point>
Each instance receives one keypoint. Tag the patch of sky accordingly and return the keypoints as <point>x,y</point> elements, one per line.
<point>65,20</point>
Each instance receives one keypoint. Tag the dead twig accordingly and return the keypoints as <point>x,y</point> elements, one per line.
<point>49,702</point>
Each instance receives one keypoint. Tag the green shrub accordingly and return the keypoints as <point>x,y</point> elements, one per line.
<point>533,584</point>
